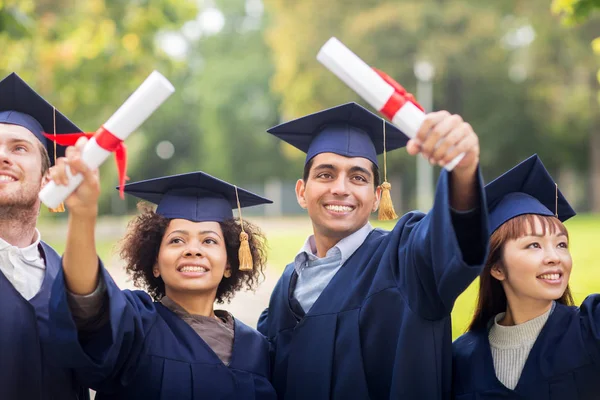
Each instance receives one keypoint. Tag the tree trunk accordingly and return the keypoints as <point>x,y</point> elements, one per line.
<point>595,168</point>
<point>569,184</point>
<point>454,89</point>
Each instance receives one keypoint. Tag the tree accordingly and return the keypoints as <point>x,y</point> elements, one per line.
<point>575,10</point>
<point>577,16</point>
<point>218,118</point>
<point>88,57</point>
<point>503,66</point>
<point>214,55</point>
<point>12,22</point>
<point>461,38</point>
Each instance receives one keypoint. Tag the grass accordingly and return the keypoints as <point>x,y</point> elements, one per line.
<point>105,248</point>
<point>289,235</point>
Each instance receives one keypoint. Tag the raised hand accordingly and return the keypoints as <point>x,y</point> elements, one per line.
<point>444,136</point>
<point>84,200</point>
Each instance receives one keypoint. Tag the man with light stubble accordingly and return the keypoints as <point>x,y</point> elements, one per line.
<point>28,266</point>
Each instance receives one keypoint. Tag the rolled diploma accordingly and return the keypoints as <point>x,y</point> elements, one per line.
<point>361,78</point>
<point>136,109</point>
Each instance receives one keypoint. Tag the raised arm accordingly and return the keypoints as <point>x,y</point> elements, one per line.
<point>96,329</point>
<point>590,323</point>
<point>443,252</point>
<point>80,261</point>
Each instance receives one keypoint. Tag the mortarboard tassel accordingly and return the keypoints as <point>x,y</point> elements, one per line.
<point>59,209</point>
<point>556,201</point>
<point>386,207</point>
<point>244,253</point>
<point>61,206</point>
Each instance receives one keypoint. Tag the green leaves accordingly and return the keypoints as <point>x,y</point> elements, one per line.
<point>575,11</point>
<point>14,23</point>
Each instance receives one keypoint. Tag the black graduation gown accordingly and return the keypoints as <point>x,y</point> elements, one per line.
<point>381,328</point>
<point>564,362</point>
<point>27,369</point>
<point>147,352</point>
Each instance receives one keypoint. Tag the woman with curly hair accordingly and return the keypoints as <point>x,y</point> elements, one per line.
<point>527,340</point>
<point>188,254</point>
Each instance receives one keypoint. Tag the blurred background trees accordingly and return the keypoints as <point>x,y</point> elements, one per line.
<point>524,74</point>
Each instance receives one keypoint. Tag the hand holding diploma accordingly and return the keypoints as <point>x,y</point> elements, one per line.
<point>442,138</point>
<point>109,138</point>
<point>83,201</point>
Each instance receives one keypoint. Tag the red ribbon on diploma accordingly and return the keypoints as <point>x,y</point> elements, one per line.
<point>397,99</point>
<point>107,141</point>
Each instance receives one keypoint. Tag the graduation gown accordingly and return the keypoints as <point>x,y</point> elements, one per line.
<point>146,352</point>
<point>563,364</point>
<point>381,328</point>
<point>27,369</point>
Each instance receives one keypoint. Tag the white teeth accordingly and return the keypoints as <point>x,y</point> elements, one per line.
<point>6,178</point>
<point>337,208</point>
<point>551,277</point>
<point>190,268</point>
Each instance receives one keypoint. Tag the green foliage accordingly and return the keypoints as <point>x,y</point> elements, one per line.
<point>96,53</point>
<point>87,57</point>
<point>522,94</point>
<point>523,82</point>
<point>575,11</point>
<point>13,22</point>
<point>218,117</point>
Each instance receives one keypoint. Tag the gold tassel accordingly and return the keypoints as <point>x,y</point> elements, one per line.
<point>244,253</point>
<point>386,207</point>
<point>59,209</point>
<point>61,206</point>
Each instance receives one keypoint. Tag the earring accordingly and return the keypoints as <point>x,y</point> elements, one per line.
<point>227,273</point>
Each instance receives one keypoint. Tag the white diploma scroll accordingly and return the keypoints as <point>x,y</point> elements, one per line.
<point>136,109</point>
<point>361,78</point>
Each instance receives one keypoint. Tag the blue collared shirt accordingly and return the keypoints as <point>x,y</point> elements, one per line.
<point>314,273</point>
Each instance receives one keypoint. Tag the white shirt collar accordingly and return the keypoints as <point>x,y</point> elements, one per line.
<point>347,246</point>
<point>29,253</point>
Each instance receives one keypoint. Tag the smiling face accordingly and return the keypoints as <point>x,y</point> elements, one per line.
<point>339,194</point>
<point>536,265</point>
<point>192,257</point>
<point>20,167</point>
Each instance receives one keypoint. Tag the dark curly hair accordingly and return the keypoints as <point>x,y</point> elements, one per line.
<point>141,244</point>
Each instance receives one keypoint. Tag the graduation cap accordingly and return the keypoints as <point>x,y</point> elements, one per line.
<point>21,105</point>
<point>197,196</point>
<point>527,188</point>
<point>349,130</point>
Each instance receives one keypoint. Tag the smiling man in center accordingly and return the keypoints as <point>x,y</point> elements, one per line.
<point>362,312</point>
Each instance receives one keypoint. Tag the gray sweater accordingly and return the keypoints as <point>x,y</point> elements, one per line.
<point>510,346</point>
